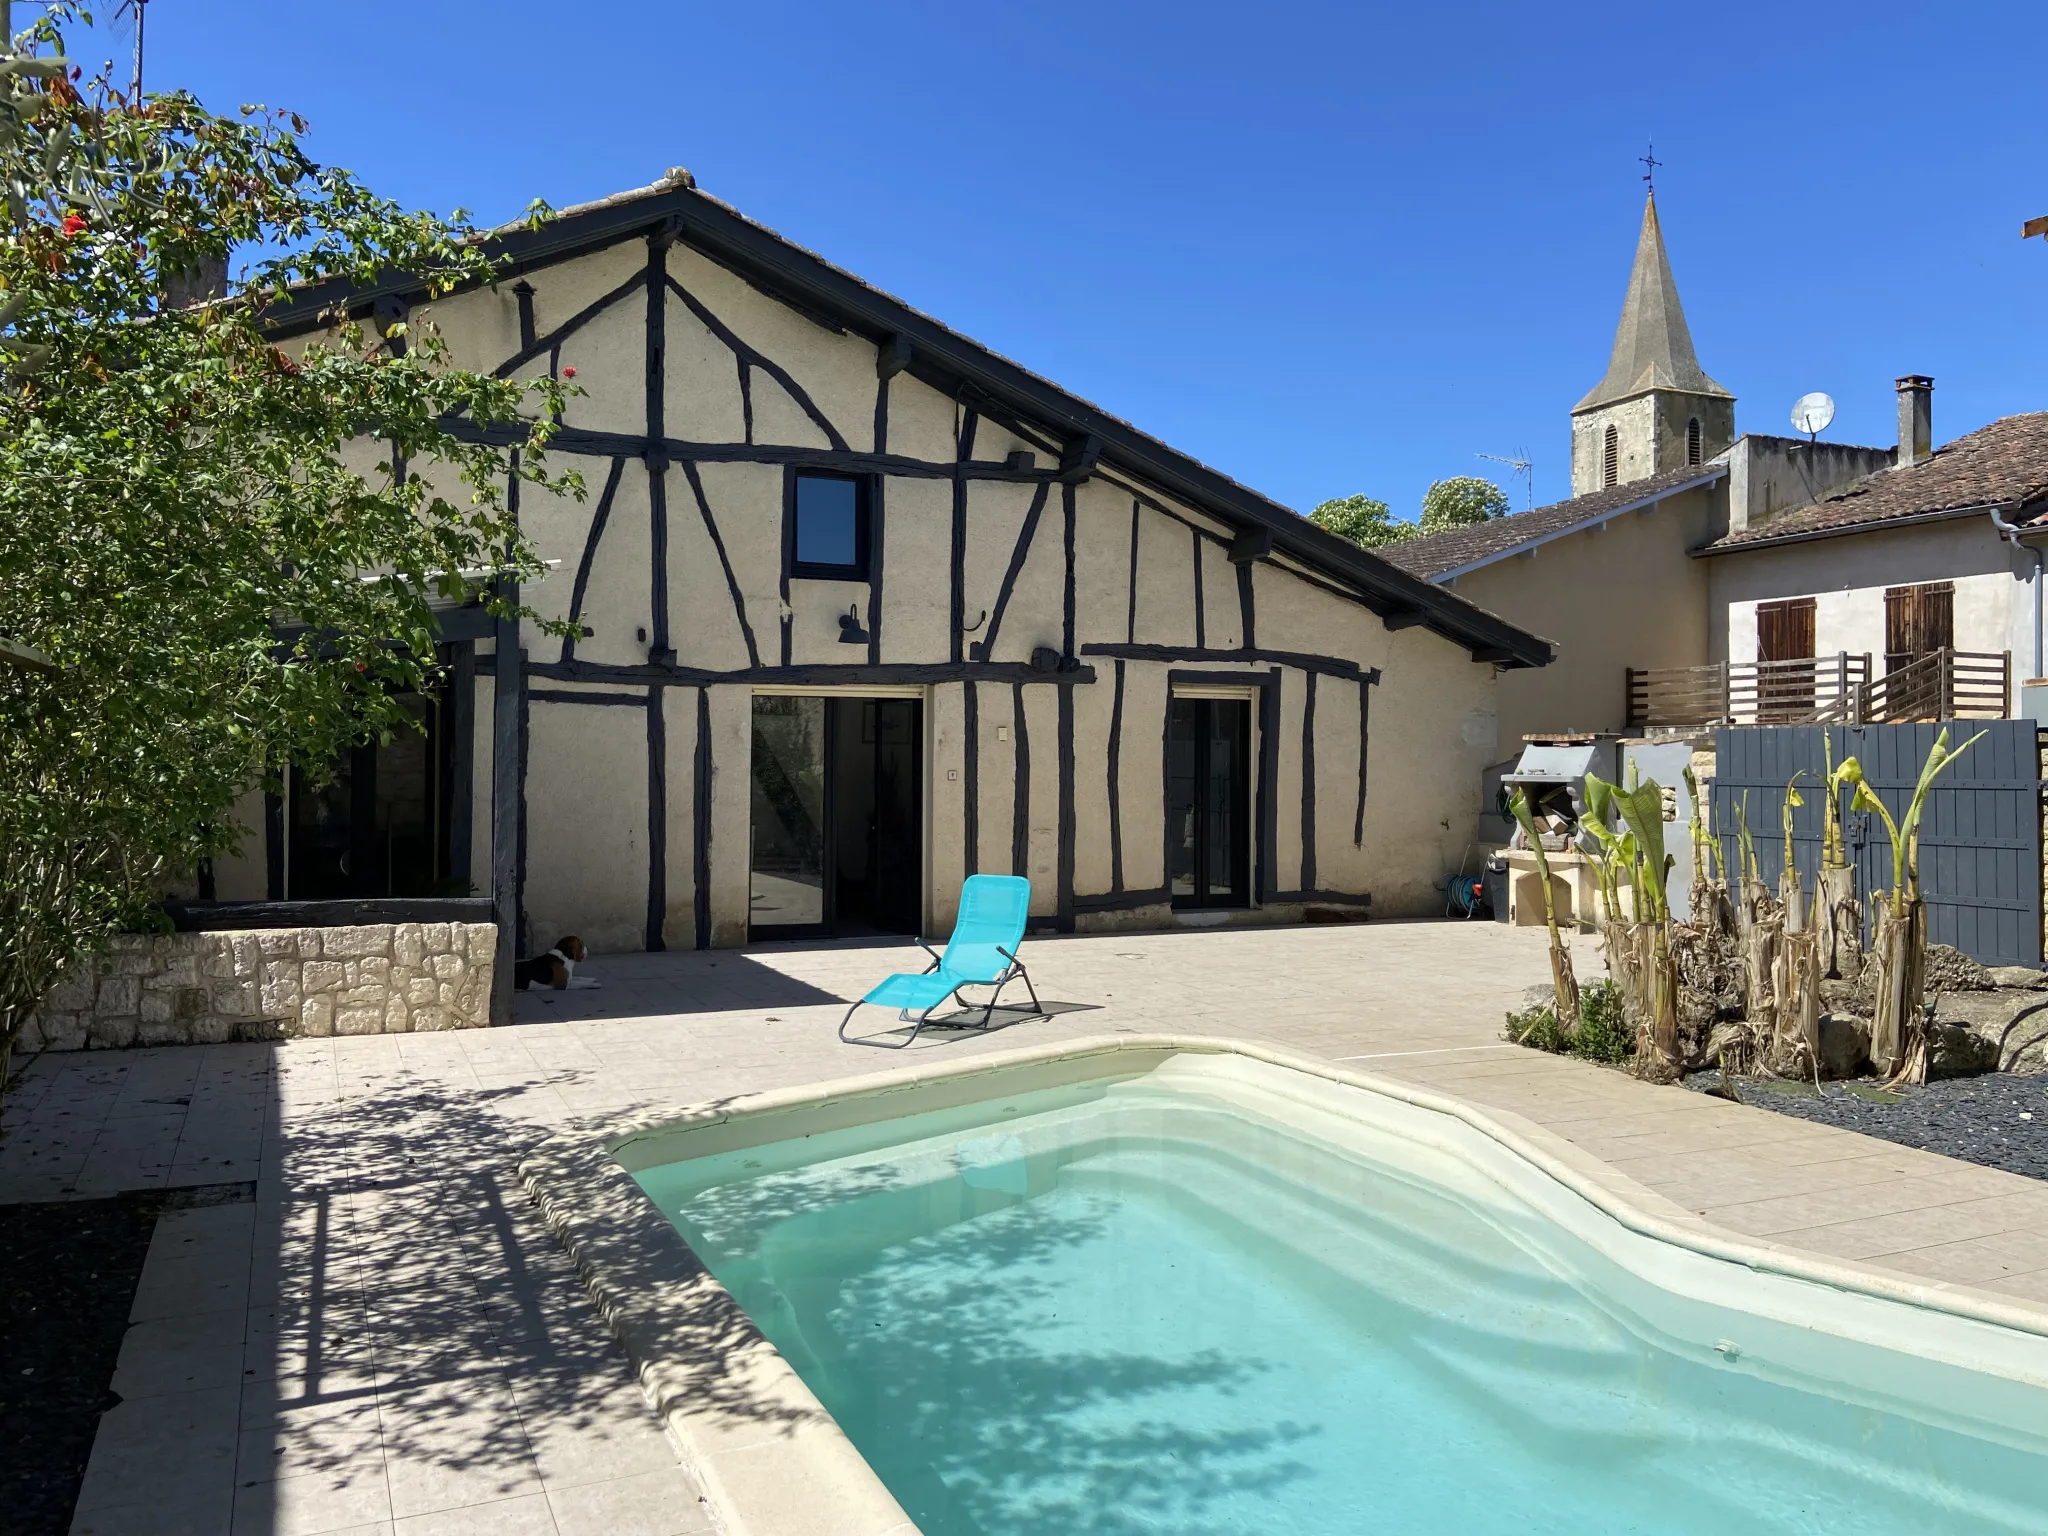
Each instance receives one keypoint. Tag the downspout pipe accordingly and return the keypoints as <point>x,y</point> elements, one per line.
<point>2010,532</point>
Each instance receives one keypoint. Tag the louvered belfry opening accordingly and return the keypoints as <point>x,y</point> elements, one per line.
<point>1692,441</point>
<point>1784,634</point>
<point>1610,458</point>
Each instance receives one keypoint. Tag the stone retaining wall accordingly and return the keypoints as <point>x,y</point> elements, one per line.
<point>270,984</point>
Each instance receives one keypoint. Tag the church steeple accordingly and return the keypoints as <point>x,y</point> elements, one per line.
<point>1656,409</point>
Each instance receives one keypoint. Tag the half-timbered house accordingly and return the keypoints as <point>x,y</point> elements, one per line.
<point>861,608</point>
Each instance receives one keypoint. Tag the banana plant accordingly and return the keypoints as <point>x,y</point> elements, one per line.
<point>1905,834</point>
<point>1564,984</point>
<point>1898,1036</point>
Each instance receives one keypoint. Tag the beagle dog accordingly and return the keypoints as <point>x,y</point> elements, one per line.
<point>556,968</point>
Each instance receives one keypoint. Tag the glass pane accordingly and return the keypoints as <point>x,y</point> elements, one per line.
<point>1184,730</point>
<point>405,807</point>
<point>1223,834</point>
<point>827,521</point>
<point>789,812</point>
<point>321,842</point>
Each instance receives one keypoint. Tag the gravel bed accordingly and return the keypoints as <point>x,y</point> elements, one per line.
<point>1998,1119</point>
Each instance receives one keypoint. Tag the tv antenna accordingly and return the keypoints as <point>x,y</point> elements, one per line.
<point>1520,464</point>
<point>1811,415</point>
<point>134,8</point>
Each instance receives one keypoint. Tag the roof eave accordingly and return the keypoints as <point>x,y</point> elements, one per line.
<point>1712,472</point>
<point>1845,530</point>
<point>781,267</point>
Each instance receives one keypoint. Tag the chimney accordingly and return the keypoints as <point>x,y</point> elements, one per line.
<point>1916,420</point>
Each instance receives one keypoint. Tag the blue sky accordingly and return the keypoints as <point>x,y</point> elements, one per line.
<point>1326,248</point>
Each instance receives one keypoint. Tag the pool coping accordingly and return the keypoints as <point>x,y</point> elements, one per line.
<point>769,1457</point>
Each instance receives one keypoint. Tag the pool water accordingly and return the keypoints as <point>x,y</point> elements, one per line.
<point>1175,1303</point>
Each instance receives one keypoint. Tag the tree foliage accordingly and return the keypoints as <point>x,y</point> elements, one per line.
<point>1460,502</point>
<point>1364,521</point>
<point>224,547</point>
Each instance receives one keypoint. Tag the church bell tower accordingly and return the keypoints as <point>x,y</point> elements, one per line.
<point>1656,410</point>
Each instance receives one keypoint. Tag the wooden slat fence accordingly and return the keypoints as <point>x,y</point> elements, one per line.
<point>1980,846</point>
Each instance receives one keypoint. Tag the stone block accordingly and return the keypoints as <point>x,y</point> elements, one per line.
<point>217,959</point>
<point>373,971</point>
<point>190,1002</point>
<point>422,991</point>
<point>316,1016</point>
<point>431,1017</point>
<point>236,999</point>
<point>280,991</point>
<point>211,1029</point>
<point>435,938</point>
<point>482,941</point>
<point>66,1032</point>
<point>155,1008</point>
<point>177,1032</point>
<point>127,955</point>
<point>408,944</point>
<point>397,1018</point>
<point>180,968</point>
<point>281,944</point>
<point>119,994</point>
<point>112,1031</point>
<point>319,976</point>
<point>74,994</point>
<point>447,967</point>
<point>359,1021</point>
<point>355,943</point>
<point>248,956</point>
<point>362,997</point>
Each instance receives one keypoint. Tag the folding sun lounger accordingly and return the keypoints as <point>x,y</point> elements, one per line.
<point>981,953</point>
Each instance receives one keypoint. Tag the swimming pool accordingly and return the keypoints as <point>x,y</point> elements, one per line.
<point>1201,1292</point>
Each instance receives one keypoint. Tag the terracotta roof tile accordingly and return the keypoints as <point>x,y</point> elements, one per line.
<point>2006,462</point>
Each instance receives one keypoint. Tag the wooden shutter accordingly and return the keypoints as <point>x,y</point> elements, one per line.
<point>1784,634</point>
<point>1784,630</point>
<point>1917,620</point>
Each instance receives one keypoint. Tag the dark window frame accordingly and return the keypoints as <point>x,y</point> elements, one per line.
<point>863,527</point>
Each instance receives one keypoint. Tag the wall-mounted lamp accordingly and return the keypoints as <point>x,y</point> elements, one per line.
<point>850,632</point>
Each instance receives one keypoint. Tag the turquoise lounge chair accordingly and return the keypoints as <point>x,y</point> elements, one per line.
<point>981,953</point>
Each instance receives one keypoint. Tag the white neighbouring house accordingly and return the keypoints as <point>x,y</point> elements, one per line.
<point>1696,579</point>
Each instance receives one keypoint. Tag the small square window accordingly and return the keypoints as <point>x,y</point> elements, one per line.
<point>830,537</point>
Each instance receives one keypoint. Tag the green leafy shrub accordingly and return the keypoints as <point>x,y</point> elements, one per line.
<point>1603,1034</point>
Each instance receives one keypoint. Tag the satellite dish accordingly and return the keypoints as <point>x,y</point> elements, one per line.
<point>1813,413</point>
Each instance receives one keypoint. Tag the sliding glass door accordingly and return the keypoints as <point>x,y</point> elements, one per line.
<point>838,833</point>
<point>1208,802</point>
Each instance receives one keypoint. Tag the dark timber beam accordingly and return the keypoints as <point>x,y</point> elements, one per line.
<point>1252,544</point>
<point>1078,459</point>
<point>1404,618</point>
<point>892,357</point>
<point>506,773</point>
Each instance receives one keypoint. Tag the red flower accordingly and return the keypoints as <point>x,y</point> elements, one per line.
<point>362,666</point>
<point>74,225</point>
<point>568,373</point>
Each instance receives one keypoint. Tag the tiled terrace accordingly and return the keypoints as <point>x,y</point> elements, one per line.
<point>373,1334</point>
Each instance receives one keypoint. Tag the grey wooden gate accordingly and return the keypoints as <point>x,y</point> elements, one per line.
<point>1980,839</point>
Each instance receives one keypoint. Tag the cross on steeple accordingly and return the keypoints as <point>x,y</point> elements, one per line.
<point>1652,162</point>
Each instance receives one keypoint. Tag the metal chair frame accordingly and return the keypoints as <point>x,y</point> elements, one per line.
<point>1013,972</point>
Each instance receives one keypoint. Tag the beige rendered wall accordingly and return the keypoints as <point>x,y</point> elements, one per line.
<point>1628,594</point>
<point>615,795</point>
<point>1847,577</point>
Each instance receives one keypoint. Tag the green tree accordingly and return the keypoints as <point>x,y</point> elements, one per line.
<point>1365,522</point>
<point>224,549</point>
<point>1460,502</point>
